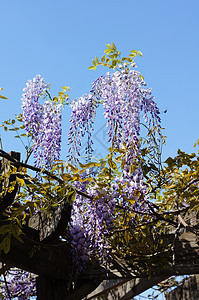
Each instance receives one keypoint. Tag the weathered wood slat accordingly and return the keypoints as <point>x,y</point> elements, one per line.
<point>123,289</point>
<point>52,225</point>
<point>8,198</point>
<point>189,290</point>
<point>52,261</point>
<point>55,261</point>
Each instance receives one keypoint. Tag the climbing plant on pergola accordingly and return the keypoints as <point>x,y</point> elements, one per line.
<point>76,222</point>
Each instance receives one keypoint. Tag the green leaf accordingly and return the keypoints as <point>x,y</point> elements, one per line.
<point>170,161</point>
<point>17,237</point>
<point>108,46</point>
<point>134,52</point>
<point>114,63</point>
<point>91,165</point>
<point>2,97</point>
<point>20,181</point>
<point>103,58</point>
<point>16,231</point>
<point>94,63</point>
<point>4,229</point>
<point>66,177</point>
<point>122,164</point>
<point>12,129</point>
<point>112,164</point>
<point>107,51</point>
<point>71,197</point>
<point>6,244</point>
<point>141,77</point>
<point>113,46</point>
<point>132,55</point>
<point>96,59</point>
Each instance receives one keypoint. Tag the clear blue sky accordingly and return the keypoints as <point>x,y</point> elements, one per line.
<point>58,39</point>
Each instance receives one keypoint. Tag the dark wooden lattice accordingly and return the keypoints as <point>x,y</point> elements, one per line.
<point>43,253</point>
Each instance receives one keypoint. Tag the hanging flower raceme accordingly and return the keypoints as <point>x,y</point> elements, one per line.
<point>125,104</point>
<point>42,123</point>
<point>91,222</point>
<point>32,109</point>
<point>47,149</point>
<point>124,100</point>
<point>111,192</point>
<point>21,285</point>
<point>82,117</point>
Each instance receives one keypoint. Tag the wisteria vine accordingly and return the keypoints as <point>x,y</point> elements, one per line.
<point>126,104</point>
<point>42,123</point>
<point>124,99</point>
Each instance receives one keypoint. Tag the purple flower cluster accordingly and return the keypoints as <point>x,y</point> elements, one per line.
<point>32,109</point>
<point>132,192</point>
<point>91,221</point>
<point>21,284</point>
<point>48,145</point>
<point>82,118</point>
<point>42,122</point>
<point>125,104</point>
<point>124,99</point>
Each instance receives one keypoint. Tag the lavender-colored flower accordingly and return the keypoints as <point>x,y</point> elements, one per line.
<point>32,109</point>
<point>21,284</point>
<point>91,221</point>
<point>82,117</point>
<point>42,123</point>
<point>48,145</point>
<point>125,104</point>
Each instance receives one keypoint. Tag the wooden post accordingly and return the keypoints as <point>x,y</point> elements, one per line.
<point>51,289</point>
<point>8,198</point>
<point>189,290</point>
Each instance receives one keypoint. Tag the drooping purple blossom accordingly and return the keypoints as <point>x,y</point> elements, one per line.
<point>124,100</point>
<point>91,222</point>
<point>42,123</point>
<point>48,144</point>
<point>82,118</point>
<point>21,284</point>
<point>32,109</point>
<point>126,104</point>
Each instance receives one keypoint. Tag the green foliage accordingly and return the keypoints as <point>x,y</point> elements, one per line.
<point>2,97</point>
<point>112,58</point>
<point>171,186</point>
<point>63,97</point>
<point>13,228</point>
<point>181,178</point>
<point>16,125</point>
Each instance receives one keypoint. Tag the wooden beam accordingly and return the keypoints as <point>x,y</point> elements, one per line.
<point>188,290</point>
<point>42,259</point>
<point>4,267</point>
<point>123,289</point>
<point>55,260</point>
<point>50,226</point>
<point>183,259</point>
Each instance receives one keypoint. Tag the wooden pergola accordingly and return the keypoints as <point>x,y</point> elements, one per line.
<point>44,254</point>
